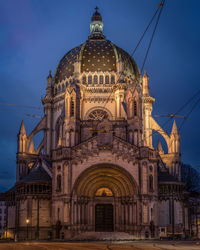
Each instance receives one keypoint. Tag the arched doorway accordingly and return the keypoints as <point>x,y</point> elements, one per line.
<point>104,199</point>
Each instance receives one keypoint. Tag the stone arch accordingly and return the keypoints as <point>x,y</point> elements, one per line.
<point>109,176</point>
<point>157,128</point>
<point>41,126</point>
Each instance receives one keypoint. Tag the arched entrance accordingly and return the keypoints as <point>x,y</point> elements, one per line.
<point>104,199</point>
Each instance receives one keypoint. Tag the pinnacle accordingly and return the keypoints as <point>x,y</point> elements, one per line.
<point>32,148</point>
<point>174,128</point>
<point>22,129</point>
<point>159,147</point>
<point>145,73</point>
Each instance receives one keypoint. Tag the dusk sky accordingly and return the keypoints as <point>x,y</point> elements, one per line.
<point>36,34</point>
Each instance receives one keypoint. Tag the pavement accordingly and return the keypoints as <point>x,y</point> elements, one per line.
<point>120,245</point>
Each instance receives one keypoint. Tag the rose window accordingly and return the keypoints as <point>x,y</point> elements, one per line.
<point>97,115</point>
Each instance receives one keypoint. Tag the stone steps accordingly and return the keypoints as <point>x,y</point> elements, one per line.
<point>104,236</point>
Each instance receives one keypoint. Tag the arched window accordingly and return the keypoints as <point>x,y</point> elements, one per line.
<point>59,89</point>
<point>89,79</point>
<point>95,79</point>
<point>63,88</point>
<point>150,183</point>
<point>84,79</point>
<point>55,91</point>
<point>101,79</point>
<point>72,108</point>
<point>58,184</point>
<point>112,79</point>
<point>107,79</point>
<point>135,108</point>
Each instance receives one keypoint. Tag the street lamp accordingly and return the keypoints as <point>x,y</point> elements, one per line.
<point>27,222</point>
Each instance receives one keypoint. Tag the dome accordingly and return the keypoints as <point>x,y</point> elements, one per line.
<point>97,54</point>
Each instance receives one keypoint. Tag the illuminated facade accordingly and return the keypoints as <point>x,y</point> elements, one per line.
<point>96,168</point>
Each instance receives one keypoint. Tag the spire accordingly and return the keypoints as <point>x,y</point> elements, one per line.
<point>49,76</point>
<point>159,147</point>
<point>145,73</point>
<point>31,147</point>
<point>22,130</point>
<point>145,87</point>
<point>49,80</point>
<point>174,128</point>
<point>96,26</point>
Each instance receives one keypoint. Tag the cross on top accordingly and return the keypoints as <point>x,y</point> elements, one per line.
<point>96,9</point>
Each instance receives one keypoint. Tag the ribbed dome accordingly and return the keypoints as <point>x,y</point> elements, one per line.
<point>96,55</point>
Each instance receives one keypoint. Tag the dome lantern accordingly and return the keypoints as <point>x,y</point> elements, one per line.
<point>96,26</point>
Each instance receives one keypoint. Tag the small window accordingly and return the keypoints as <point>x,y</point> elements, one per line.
<point>58,189</point>
<point>107,79</point>
<point>112,79</point>
<point>150,183</point>
<point>135,108</point>
<point>58,213</point>
<point>72,108</point>
<point>101,79</point>
<point>89,79</point>
<point>95,79</point>
<point>55,91</point>
<point>84,79</point>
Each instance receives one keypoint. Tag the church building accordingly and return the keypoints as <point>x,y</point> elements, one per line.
<point>96,169</point>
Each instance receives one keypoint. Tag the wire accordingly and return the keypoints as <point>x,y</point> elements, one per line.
<point>157,21</point>
<point>181,108</point>
<point>30,115</point>
<point>188,114</point>
<point>145,31</point>
<point>159,6</point>
<point>18,106</point>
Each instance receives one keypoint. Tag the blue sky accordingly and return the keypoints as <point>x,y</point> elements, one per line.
<point>35,35</point>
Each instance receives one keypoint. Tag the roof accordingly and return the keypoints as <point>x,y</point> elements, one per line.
<point>2,196</point>
<point>96,56</point>
<point>166,177</point>
<point>37,174</point>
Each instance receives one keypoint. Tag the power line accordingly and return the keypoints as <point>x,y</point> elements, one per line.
<point>30,115</point>
<point>181,108</point>
<point>189,113</point>
<point>157,21</point>
<point>18,106</point>
<point>149,24</point>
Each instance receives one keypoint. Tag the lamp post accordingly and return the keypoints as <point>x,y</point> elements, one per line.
<point>27,222</point>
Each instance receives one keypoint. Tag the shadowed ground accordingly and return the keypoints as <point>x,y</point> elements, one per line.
<point>137,245</point>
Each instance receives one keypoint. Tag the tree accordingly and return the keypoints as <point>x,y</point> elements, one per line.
<point>191,178</point>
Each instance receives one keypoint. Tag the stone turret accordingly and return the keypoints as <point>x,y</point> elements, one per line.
<point>22,139</point>
<point>72,114</point>
<point>147,110</point>
<point>174,139</point>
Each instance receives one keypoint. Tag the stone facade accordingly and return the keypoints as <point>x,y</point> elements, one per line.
<point>96,168</point>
